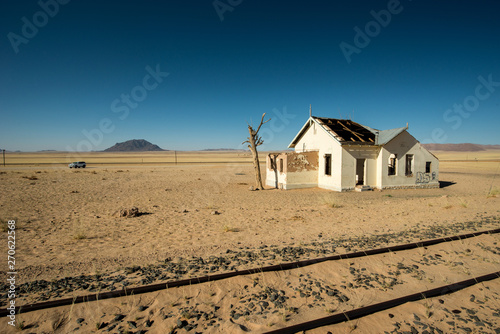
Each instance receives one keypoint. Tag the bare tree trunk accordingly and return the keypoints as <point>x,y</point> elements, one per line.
<point>256,163</point>
<point>254,140</point>
<point>274,166</point>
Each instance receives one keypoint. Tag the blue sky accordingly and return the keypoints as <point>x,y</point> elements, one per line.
<point>83,75</point>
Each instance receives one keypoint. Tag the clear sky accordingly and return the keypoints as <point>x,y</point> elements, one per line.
<point>187,75</point>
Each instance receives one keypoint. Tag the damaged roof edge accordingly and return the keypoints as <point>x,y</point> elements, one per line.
<point>347,131</point>
<point>380,137</point>
<point>304,128</point>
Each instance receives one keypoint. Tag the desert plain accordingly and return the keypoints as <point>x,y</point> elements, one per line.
<point>198,217</point>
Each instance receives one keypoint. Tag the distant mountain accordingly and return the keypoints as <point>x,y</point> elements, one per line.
<point>134,145</point>
<point>465,147</point>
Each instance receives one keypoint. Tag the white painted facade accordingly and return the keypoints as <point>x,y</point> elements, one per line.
<point>352,162</point>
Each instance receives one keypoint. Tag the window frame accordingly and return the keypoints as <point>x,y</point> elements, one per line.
<point>428,167</point>
<point>393,165</point>
<point>328,164</point>
<point>409,163</point>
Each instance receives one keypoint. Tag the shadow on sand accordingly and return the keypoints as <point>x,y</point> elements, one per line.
<point>444,184</point>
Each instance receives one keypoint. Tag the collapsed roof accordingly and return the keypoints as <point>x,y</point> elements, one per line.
<point>348,132</point>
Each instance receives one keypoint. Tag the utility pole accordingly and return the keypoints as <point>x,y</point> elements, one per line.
<point>175,154</point>
<point>3,158</point>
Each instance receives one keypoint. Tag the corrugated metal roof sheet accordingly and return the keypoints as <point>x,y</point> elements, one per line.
<point>386,136</point>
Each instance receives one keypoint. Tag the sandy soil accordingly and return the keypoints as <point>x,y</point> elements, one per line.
<point>58,159</point>
<point>67,221</point>
<point>267,301</point>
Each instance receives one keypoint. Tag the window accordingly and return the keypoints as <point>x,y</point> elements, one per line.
<point>274,162</point>
<point>409,165</point>
<point>328,164</point>
<point>392,164</point>
<point>281,165</point>
<point>427,166</point>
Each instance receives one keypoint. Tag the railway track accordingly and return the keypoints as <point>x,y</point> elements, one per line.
<point>370,309</point>
<point>277,268</point>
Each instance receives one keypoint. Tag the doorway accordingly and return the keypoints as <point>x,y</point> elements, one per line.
<point>360,171</point>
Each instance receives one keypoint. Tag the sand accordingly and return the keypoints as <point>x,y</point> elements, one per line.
<point>68,221</point>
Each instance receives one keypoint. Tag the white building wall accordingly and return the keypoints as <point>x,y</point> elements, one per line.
<point>275,178</point>
<point>300,170</point>
<point>333,181</point>
<point>316,139</point>
<point>403,145</point>
<point>312,140</point>
<point>348,171</point>
<point>350,155</point>
<point>381,168</point>
<point>303,179</point>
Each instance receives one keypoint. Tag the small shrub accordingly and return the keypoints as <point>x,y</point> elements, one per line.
<point>227,228</point>
<point>79,235</point>
<point>186,315</point>
<point>58,323</point>
<point>494,192</point>
<point>3,225</point>
<point>333,205</point>
<point>20,325</point>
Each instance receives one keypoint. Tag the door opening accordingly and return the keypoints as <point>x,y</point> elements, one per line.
<point>360,171</point>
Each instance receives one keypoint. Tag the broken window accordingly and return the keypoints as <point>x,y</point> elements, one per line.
<point>328,164</point>
<point>281,165</point>
<point>427,166</point>
<point>409,165</point>
<point>392,164</point>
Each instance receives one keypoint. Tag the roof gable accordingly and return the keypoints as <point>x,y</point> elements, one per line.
<point>311,120</point>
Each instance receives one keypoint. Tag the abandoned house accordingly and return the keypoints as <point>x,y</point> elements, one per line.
<point>341,155</point>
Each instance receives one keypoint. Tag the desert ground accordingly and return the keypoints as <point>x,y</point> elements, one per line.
<point>69,229</point>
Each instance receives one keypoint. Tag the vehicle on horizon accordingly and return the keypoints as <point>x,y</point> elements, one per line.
<point>77,164</point>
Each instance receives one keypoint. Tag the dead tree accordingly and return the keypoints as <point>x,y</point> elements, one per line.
<point>253,141</point>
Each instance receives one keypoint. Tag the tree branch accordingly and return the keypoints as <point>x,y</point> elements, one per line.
<point>262,122</point>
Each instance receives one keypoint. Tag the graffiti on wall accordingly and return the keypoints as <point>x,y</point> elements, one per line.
<point>426,177</point>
